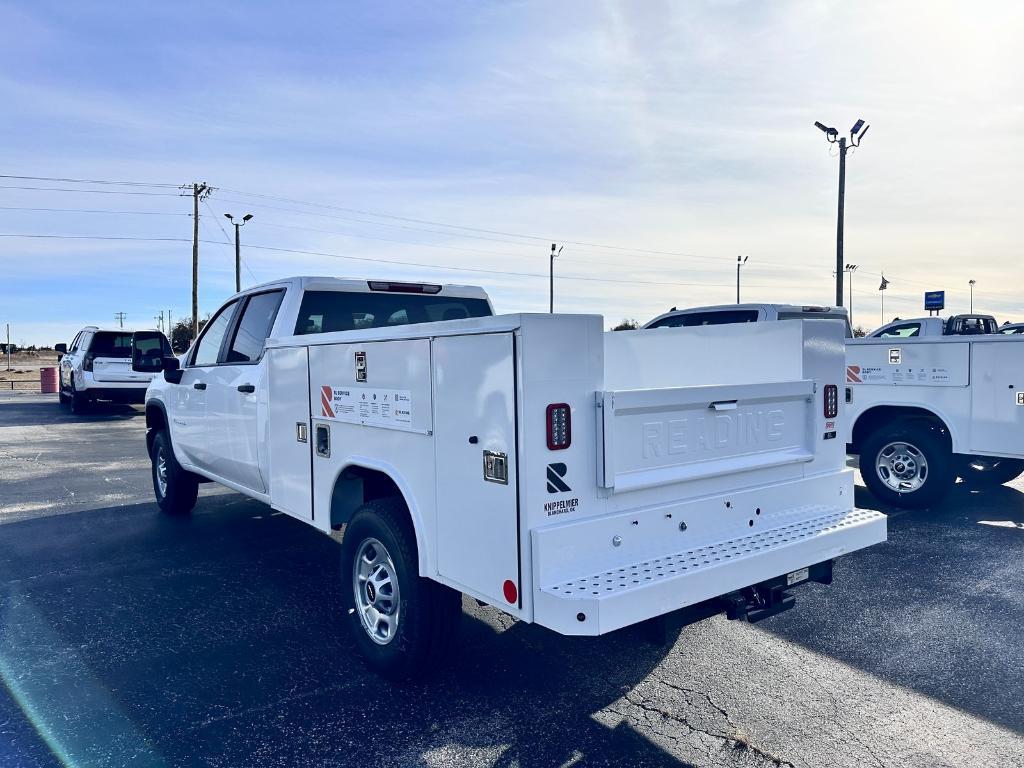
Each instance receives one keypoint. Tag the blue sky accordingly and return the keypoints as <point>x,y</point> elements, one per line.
<point>659,139</point>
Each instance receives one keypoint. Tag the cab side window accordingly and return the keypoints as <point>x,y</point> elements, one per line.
<point>208,350</point>
<point>254,327</point>
<point>905,331</point>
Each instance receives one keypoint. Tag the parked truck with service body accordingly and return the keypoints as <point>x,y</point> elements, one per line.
<point>578,479</point>
<point>926,410</point>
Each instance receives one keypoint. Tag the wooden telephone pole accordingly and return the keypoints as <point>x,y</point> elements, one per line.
<point>199,191</point>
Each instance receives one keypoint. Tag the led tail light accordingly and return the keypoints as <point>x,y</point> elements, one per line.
<point>831,401</point>
<point>559,420</point>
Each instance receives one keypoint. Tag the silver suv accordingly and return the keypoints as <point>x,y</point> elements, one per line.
<point>98,366</point>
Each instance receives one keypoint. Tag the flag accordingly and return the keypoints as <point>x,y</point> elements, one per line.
<point>884,285</point>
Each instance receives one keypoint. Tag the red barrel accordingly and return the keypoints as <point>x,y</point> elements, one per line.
<point>48,380</point>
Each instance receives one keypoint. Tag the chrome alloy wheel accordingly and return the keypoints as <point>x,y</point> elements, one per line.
<point>161,472</point>
<point>901,466</point>
<point>375,584</point>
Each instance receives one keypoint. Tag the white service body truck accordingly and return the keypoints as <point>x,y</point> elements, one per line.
<point>578,479</point>
<point>926,410</point>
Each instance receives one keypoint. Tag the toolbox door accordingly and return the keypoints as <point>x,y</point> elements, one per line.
<point>289,435</point>
<point>997,397</point>
<point>475,442</point>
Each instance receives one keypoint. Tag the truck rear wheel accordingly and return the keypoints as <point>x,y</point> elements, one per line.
<point>403,624</point>
<point>989,471</point>
<point>907,464</point>
<point>176,489</point>
<point>77,401</point>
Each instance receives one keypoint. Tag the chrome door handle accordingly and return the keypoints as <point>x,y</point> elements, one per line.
<point>199,385</point>
<point>249,388</point>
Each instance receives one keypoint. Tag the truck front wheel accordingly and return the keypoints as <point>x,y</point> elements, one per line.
<point>176,489</point>
<point>402,623</point>
<point>907,464</point>
<point>989,471</point>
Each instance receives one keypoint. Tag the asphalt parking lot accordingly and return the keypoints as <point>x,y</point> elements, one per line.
<point>131,638</point>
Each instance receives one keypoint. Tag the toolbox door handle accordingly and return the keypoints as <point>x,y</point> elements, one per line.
<point>723,405</point>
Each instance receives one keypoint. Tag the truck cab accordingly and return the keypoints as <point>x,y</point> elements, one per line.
<point>933,327</point>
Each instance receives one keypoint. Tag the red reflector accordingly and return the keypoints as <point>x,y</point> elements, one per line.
<point>559,419</point>
<point>831,401</point>
<point>511,593</point>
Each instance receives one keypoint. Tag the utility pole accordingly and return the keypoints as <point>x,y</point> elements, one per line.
<point>851,268</point>
<point>856,135</point>
<point>740,261</point>
<point>199,191</point>
<point>120,316</point>
<point>8,346</point>
<point>551,294</point>
<point>971,283</point>
<point>238,248</point>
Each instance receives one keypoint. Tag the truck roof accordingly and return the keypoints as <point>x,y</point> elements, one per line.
<point>326,283</point>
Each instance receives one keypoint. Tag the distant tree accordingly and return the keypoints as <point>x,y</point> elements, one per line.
<point>859,332</point>
<point>181,334</point>
<point>627,325</point>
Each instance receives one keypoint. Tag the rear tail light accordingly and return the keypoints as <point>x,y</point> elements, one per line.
<point>87,362</point>
<point>831,401</point>
<point>559,419</point>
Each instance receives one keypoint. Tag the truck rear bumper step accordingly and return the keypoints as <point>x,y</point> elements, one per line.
<point>605,601</point>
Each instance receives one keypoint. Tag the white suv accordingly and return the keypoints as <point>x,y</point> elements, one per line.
<point>98,366</point>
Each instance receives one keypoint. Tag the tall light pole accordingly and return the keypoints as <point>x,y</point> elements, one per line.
<point>971,283</point>
<point>238,247</point>
<point>851,268</point>
<point>740,261</point>
<point>856,135</point>
<point>551,290</point>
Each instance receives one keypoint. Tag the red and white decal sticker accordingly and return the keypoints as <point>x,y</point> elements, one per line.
<point>853,374</point>
<point>326,396</point>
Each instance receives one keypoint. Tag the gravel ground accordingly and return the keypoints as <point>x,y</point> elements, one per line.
<point>130,638</point>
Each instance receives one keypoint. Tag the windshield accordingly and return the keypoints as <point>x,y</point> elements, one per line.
<point>326,311</point>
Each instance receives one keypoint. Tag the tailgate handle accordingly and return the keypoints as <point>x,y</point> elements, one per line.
<point>723,405</point>
<point>199,385</point>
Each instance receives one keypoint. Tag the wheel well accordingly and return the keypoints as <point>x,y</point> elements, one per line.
<point>880,415</point>
<point>156,420</point>
<point>354,487</point>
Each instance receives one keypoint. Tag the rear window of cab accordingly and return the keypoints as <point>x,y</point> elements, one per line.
<point>327,311</point>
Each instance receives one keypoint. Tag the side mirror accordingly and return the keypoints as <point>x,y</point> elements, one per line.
<point>148,351</point>
<point>172,370</point>
<point>60,349</point>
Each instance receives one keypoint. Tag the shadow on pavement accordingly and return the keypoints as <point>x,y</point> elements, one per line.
<point>39,411</point>
<point>216,639</point>
<point>938,608</point>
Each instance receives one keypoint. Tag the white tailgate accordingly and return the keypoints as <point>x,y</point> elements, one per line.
<point>658,436</point>
<point>115,369</point>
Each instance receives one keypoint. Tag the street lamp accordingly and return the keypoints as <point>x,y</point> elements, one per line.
<point>851,268</point>
<point>856,136</point>
<point>238,250</point>
<point>971,283</point>
<point>740,261</point>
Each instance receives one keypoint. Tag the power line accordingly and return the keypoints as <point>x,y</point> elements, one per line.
<point>87,181</point>
<point>97,237</point>
<point>89,191</point>
<point>91,210</point>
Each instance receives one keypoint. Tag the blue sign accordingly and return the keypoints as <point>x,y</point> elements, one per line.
<point>935,300</point>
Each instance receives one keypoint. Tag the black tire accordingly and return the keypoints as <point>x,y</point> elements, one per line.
<point>426,614</point>
<point>177,494</point>
<point>78,402</point>
<point>925,441</point>
<point>989,471</point>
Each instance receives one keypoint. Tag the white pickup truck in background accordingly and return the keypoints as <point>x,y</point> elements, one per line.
<point>581,480</point>
<point>926,410</point>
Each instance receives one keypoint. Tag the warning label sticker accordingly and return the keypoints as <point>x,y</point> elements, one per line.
<point>367,405</point>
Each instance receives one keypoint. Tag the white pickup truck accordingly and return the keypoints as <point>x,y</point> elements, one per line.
<point>925,410</point>
<point>578,479</point>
